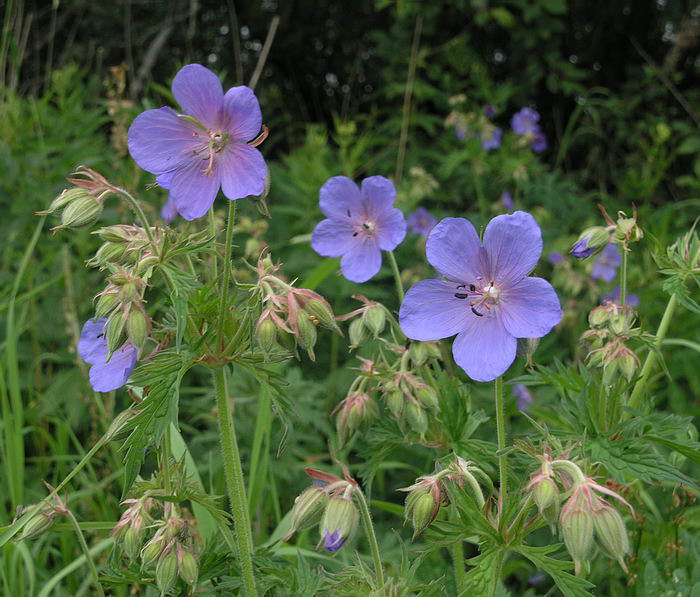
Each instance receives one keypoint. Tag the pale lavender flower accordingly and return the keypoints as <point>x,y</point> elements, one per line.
<point>539,142</point>
<point>632,299</point>
<point>486,298</point>
<point>421,221</point>
<point>507,200</point>
<point>555,258</point>
<point>525,122</point>
<point>360,224</point>
<point>206,147</point>
<point>169,211</point>
<point>491,138</point>
<point>523,395</point>
<point>607,263</point>
<point>489,110</point>
<point>105,375</point>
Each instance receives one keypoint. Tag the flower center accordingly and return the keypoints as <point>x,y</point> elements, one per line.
<point>481,297</point>
<point>217,141</point>
<point>366,227</point>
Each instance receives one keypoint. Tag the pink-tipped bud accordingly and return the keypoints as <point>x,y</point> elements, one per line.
<point>167,570</point>
<point>306,338</point>
<point>576,523</point>
<point>611,533</point>
<point>356,409</point>
<point>374,318</point>
<point>422,506</point>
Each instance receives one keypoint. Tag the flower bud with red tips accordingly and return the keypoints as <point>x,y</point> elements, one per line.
<point>422,503</point>
<point>356,409</point>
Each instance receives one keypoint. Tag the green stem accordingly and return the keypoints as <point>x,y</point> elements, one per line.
<point>623,276</point>
<point>501,431</point>
<point>86,551</point>
<point>228,247</point>
<point>397,275</point>
<point>636,396</point>
<point>234,482</point>
<point>372,539</point>
<point>212,233</point>
<point>165,448</point>
<point>136,208</point>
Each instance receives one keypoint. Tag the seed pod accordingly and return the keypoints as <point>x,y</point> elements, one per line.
<point>358,333</point>
<point>167,570</point>
<point>83,211</point>
<point>137,328</point>
<point>266,335</point>
<point>307,333</point>
<point>374,319</point>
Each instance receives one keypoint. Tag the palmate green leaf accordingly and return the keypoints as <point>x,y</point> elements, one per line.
<point>625,458</point>
<point>567,583</point>
<point>162,376</point>
<point>483,578</point>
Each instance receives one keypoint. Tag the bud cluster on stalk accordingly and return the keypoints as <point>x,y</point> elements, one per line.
<point>329,504</point>
<point>43,517</point>
<point>126,246</point>
<point>410,400</point>
<point>429,493</point>
<point>587,521</point>
<point>611,327</point>
<point>290,315</point>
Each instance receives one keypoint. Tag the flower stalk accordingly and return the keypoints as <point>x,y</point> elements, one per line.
<point>397,275</point>
<point>372,539</point>
<point>228,246</point>
<point>501,431</point>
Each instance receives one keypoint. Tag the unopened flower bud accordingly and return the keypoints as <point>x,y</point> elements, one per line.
<point>356,409</point>
<point>427,396</point>
<point>545,494</point>
<point>266,335</point>
<point>137,328</point>
<point>106,304</point>
<point>307,333</point>
<point>627,230</point>
<point>322,312</point>
<point>416,417</point>
<point>152,550</point>
<point>308,508</point>
<point>132,541</point>
<point>591,241</point>
<point>395,403</point>
<point>358,333</point>
<point>577,528</point>
<point>108,253</point>
<point>339,522</point>
<point>119,233</point>
<point>41,522</point>
<point>374,319</point>
<point>421,508</point>
<point>166,570</point>
<point>83,211</point>
<point>599,316</point>
<point>611,533</point>
<point>66,197</point>
<point>188,568</point>
<point>115,331</point>
<point>419,352</point>
<point>628,362</point>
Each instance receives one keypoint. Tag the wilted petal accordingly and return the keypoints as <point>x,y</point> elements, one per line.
<point>391,229</point>
<point>338,196</point>
<point>362,261</point>
<point>243,118</point>
<point>514,245</point>
<point>92,346</point>
<point>193,190</point>
<point>430,311</point>
<point>199,93</point>
<point>243,171</point>
<point>105,377</point>
<point>379,193</point>
<point>530,309</point>
<point>333,238</point>
<point>160,141</point>
<point>453,249</point>
<point>484,349</point>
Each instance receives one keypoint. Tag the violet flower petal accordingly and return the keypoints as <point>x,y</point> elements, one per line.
<point>484,349</point>
<point>243,171</point>
<point>362,261</point>
<point>92,346</point>
<point>391,229</point>
<point>193,190</point>
<point>513,243</point>
<point>199,93</point>
<point>338,196</point>
<point>105,377</point>
<point>332,238</point>
<point>530,309</point>
<point>454,250</point>
<point>379,194</point>
<point>242,113</point>
<point>160,141</point>
<point>430,311</point>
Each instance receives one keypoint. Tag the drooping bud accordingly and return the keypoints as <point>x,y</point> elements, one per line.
<point>576,522</point>
<point>308,509</point>
<point>137,328</point>
<point>307,333</point>
<point>132,539</point>
<point>167,570</point>
<point>66,197</point>
<point>358,333</point>
<point>416,417</point>
<point>41,522</point>
<point>591,241</point>
<point>108,253</point>
<point>395,403</point>
<point>421,508</point>
<point>152,550</point>
<point>81,212</point>
<point>115,331</point>
<point>188,568</point>
<point>611,534</point>
<point>419,352</point>
<point>545,494</point>
<point>106,304</point>
<point>339,522</point>
<point>427,396</point>
<point>356,409</point>
<point>374,319</point>
<point>322,312</point>
<point>266,335</point>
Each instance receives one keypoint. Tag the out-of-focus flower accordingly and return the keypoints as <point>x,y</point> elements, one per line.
<point>211,145</point>
<point>360,224</point>
<point>555,258</point>
<point>491,138</point>
<point>607,263</point>
<point>632,299</point>
<point>525,122</point>
<point>486,298</point>
<point>507,200</point>
<point>523,395</point>
<point>105,374</point>
<point>421,221</point>
<point>539,142</point>
<point>489,110</point>
<point>169,211</point>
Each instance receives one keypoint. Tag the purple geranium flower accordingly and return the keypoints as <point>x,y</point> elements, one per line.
<point>169,211</point>
<point>523,395</point>
<point>489,110</point>
<point>507,200</point>
<point>525,122</point>
<point>205,148</point>
<point>539,142</point>
<point>421,221</point>
<point>333,541</point>
<point>491,138</point>
<point>105,375</point>
<point>555,258</point>
<point>606,264</point>
<point>360,224</point>
<point>486,298</point>
<point>632,299</point>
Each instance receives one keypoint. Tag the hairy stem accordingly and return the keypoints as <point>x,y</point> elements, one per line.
<point>623,276</point>
<point>397,275</point>
<point>234,482</point>
<point>457,551</point>
<point>636,396</point>
<point>136,208</point>
<point>371,538</point>
<point>223,305</point>
<point>501,431</point>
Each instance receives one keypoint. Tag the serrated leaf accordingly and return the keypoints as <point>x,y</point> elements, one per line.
<point>483,578</point>
<point>567,583</point>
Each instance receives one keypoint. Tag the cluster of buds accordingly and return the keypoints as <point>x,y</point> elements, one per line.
<point>329,504</point>
<point>82,204</point>
<point>130,530</point>
<point>370,323</point>
<point>121,302</point>
<point>355,410</point>
<point>125,245</point>
<point>611,326</point>
<point>43,518</point>
<point>289,312</point>
<point>429,493</point>
<point>587,521</point>
<point>410,399</point>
